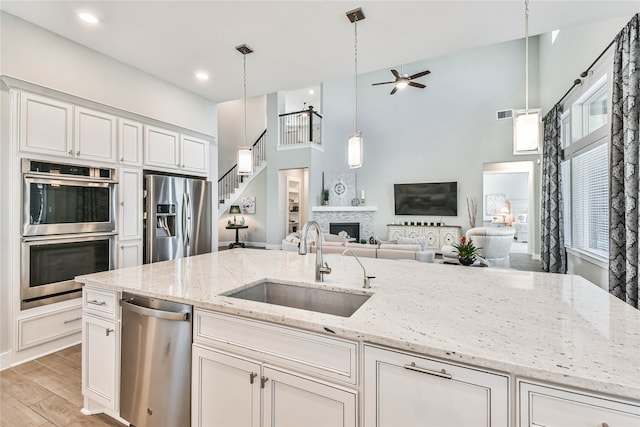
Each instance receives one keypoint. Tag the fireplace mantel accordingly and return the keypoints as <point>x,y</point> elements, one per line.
<point>344,208</point>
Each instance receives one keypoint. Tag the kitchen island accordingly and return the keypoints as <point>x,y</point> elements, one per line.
<point>556,329</point>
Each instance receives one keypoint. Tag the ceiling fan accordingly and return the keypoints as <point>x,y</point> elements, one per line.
<point>404,80</point>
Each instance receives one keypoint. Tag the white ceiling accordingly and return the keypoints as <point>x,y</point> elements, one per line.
<point>296,43</point>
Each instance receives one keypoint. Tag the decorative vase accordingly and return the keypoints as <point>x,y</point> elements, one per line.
<point>467,261</point>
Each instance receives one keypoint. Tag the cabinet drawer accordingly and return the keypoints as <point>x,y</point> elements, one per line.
<point>100,302</point>
<point>551,406</point>
<point>322,356</point>
<point>47,327</point>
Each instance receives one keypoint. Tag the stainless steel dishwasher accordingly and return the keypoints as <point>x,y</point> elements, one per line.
<point>155,379</point>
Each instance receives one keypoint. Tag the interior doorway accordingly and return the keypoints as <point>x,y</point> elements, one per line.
<point>507,200</point>
<point>295,199</point>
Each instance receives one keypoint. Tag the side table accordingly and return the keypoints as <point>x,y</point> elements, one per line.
<point>237,243</point>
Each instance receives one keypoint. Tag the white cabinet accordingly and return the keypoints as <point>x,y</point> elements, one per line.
<point>45,125</point>
<point>100,355</point>
<point>402,389</point>
<point>129,142</point>
<point>293,204</point>
<point>546,405</point>
<point>46,327</point>
<point>435,236</point>
<point>247,372</point>
<point>230,390</point>
<point>100,351</point>
<point>130,204</point>
<point>95,135</point>
<point>166,149</point>
<point>129,254</point>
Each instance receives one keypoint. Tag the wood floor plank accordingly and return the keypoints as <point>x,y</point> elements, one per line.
<point>13,413</point>
<point>61,365</point>
<point>22,388</point>
<point>70,350</point>
<point>63,413</point>
<point>25,367</point>
<point>67,387</point>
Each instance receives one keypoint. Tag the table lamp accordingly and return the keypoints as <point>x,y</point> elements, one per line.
<point>234,209</point>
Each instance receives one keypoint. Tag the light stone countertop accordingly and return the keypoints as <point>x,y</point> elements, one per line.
<point>548,327</point>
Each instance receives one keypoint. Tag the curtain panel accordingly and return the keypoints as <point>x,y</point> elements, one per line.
<point>552,252</point>
<point>624,165</point>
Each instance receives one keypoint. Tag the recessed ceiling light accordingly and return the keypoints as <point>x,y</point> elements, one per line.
<point>88,17</point>
<point>201,75</point>
<point>311,92</point>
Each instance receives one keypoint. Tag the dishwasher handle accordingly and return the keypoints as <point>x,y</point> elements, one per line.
<point>152,312</point>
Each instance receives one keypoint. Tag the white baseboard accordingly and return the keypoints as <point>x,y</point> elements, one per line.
<point>5,360</point>
<point>535,256</point>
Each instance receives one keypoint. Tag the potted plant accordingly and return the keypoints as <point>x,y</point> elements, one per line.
<point>467,251</point>
<point>325,197</point>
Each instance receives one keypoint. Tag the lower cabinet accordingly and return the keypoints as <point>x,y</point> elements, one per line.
<point>545,405</point>
<point>100,355</point>
<point>402,389</point>
<point>129,254</point>
<point>230,390</point>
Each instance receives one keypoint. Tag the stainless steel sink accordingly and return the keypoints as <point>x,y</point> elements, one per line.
<point>306,298</point>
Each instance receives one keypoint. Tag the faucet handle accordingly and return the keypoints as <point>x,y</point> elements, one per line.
<point>367,281</point>
<point>325,269</point>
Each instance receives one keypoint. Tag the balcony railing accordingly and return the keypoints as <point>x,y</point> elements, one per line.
<point>231,180</point>
<point>300,127</point>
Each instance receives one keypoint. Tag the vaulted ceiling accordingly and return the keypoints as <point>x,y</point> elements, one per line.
<point>296,43</point>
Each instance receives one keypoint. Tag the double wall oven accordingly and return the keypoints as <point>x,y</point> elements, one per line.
<point>68,229</point>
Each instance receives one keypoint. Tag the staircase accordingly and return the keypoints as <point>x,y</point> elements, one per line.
<point>231,185</point>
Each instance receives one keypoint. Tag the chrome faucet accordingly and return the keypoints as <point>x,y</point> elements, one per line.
<point>367,278</point>
<point>322,268</point>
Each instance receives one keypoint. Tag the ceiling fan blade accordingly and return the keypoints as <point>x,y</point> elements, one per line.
<point>395,89</point>
<point>382,83</point>
<point>416,75</point>
<point>418,85</point>
<point>395,73</point>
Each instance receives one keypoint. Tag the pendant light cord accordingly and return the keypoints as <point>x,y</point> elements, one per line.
<point>355,60</point>
<point>244,95</point>
<point>526,50</point>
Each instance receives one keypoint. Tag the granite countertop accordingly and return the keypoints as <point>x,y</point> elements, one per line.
<point>549,327</point>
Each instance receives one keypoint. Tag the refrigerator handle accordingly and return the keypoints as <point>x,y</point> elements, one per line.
<point>185,229</point>
<point>189,219</point>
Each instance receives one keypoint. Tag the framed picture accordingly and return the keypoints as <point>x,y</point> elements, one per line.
<point>493,204</point>
<point>248,205</point>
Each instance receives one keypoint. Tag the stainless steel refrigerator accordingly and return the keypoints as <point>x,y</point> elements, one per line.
<point>178,217</point>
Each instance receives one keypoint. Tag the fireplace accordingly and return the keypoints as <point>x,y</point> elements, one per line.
<point>351,228</point>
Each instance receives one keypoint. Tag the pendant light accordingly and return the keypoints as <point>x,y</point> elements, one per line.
<point>355,146</point>
<point>527,123</point>
<point>245,157</point>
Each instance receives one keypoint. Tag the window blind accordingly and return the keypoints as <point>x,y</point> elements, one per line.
<point>565,173</point>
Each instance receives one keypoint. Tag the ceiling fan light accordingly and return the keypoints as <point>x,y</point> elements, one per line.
<point>355,150</point>
<point>402,84</point>
<point>245,161</point>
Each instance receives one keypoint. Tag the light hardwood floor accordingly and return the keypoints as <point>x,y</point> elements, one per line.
<point>46,392</point>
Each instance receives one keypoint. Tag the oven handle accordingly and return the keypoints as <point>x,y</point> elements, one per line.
<point>43,178</point>
<point>58,237</point>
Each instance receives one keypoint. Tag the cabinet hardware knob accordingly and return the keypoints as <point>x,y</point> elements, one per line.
<point>605,425</point>
<point>122,247</point>
<point>263,381</point>
<point>442,373</point>
<point>77,153</point>
<point>66,322</point>
<point>182,165</point>
<point>178,164</point>
<point>96,302</point>
<point>122,159</point>
<point>121,203</point>
<point>108,331</point>
<point>252,376</point>
<point>71,152</point>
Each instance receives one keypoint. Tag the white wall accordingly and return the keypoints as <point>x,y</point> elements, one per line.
<point>442,133</point>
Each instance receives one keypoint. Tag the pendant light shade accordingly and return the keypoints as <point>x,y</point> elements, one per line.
<point>355,150</point>
<point>527,123</point>
<point>245,156</point>
<point>355,146</point>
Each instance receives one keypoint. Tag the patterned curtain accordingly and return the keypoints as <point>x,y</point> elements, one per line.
<point>553,255</point>
<point>625,167</point>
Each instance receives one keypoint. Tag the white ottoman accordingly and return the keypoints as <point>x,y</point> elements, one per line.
<point>426,256</point>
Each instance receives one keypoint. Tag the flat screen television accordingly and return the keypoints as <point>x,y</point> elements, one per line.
<point>429,198</point>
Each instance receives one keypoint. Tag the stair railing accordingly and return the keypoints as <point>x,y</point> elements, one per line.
<point>228,183</point>
<point>300,127</point>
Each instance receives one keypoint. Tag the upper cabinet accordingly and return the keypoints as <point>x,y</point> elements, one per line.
<point>95,135</point>
<point>46,127</point>
<point>129,142</point>
<point>170,150</point>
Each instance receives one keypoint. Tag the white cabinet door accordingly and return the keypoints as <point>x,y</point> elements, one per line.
<point>45,125</point>
<point>161,148</point>
<point>100,356</point>
<point>129,142</point>
<point>401,389</point>
<point>395,232</point>
<point>95,135</point>
<point>295,400</point>
<point>130,204</point>
<point>225,390</point>
<point>449,236</point>
<point>194,155</point>
<point>129,254</point>
<point>554,406</point>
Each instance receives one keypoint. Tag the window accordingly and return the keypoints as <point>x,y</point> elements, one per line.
<point>585,170</point>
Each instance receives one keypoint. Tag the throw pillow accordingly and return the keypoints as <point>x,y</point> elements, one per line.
<point>422,241</point>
